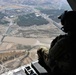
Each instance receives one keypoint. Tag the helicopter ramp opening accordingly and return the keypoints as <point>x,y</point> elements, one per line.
<point>33,68</point>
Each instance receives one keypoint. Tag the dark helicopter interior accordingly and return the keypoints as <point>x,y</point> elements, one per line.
<point>32,67</point>
<point>72,3</point>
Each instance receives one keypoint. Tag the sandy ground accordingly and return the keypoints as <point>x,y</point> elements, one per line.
<point>9,44</point>
<point>28,41</point>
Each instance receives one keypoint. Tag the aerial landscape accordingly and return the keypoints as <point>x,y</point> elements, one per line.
<point>26,25</point>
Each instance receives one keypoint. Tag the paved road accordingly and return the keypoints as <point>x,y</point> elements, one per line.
<point>47,18</point>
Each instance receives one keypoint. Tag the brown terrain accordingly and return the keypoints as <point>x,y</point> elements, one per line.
<point>17,50</point>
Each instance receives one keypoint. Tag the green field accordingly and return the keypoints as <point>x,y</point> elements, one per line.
<point>31,19</point>
<point>53,14</point>
<point>1,19</point>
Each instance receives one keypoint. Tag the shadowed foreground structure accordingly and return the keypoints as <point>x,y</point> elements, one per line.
<point>60,57</point>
